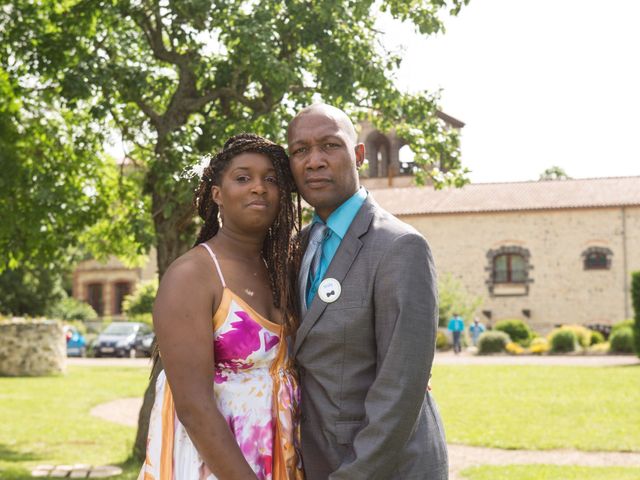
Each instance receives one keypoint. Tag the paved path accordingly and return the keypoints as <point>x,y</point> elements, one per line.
<point>468,358</point>
<point>125,411</point>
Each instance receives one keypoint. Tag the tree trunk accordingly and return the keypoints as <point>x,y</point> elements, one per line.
<point>174,236</point>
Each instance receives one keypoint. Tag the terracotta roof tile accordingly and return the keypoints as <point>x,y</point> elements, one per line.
<point>512,196</point>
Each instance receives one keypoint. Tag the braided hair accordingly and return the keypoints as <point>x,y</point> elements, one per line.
<point>278,250</point>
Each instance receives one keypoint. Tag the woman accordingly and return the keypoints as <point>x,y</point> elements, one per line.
<point>227,398</point>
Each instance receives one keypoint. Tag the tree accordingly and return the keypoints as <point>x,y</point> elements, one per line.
<point>554,173</point>
<point>177,78</point>
<point>635,300</point>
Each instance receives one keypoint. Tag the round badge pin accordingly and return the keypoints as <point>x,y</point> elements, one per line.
<point>329,290</point>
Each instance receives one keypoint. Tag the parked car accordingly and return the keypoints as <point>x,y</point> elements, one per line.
<point>119,339</point>
<point>76,343</point>
<point>144,344</point>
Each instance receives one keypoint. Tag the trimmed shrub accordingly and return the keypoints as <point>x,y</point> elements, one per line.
<point>539,345</point>
<point>582,333</point>
<point>141,300</point>
<point>635,300</point>
<point>563,340</point>
<point>442,341</point>
<point>69,309</point>
<point>514,348</point>
<point>622,341</point>
<point>492,342</point>
<point>622,324</point>
<point>517,330</point>
<point>596,337</point>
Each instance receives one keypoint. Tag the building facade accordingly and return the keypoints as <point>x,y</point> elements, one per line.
<point>103,285</point>
<point>549,253</point>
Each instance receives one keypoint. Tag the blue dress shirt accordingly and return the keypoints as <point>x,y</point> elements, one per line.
<point>338,223</point>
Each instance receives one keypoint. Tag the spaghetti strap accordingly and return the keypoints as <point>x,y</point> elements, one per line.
<point>215,260</point>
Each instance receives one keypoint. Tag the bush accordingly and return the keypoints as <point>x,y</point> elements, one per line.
<point>622,341</point>
<point>141,300</point>
<point>635,300</point>
<point>562,340</point>
<point>582,333</point>
<point>69,309</point>
<point>539,346</point>
<point>622,324</point>
<point>596,337</point>
<point>514,348</point>
<point>492,342</point>
<point>517,330</point>
<point>442,341</point>
<point>454,298</point>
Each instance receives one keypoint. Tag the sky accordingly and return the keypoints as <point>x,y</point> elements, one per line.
<point>538,83</point>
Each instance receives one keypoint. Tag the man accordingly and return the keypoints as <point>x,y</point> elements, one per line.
<point>456,327</point>
<point>476,329</point>
<point>369,313</point>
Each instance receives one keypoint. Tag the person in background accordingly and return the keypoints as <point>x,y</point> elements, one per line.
<point>475,330</point>
<point>456,326</point>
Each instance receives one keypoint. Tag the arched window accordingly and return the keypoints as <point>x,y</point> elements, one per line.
<point>509,268</point>
<point>597,258</point>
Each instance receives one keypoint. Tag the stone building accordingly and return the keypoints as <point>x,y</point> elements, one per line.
<point>548,252</point>
<point>103,285</point>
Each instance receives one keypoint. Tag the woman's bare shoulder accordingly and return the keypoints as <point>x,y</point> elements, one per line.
<point>190,270</point>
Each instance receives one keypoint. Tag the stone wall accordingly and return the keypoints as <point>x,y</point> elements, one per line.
<point>31,348</point>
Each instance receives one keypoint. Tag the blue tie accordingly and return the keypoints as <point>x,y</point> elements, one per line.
<point>310,261</point>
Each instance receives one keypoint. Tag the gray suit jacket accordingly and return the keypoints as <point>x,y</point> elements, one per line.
<point>366,358</point>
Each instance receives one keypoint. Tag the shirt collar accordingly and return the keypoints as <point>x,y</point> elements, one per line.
<point>340,219</point>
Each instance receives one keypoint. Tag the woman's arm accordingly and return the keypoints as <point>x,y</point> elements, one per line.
<point>182,317</point>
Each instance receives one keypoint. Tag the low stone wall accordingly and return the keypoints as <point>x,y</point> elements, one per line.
<point>31,348</point>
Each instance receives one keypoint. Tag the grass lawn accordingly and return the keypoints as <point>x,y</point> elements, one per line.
<point>46,420</point>
<point>540,407</point>
<point>550,472</point>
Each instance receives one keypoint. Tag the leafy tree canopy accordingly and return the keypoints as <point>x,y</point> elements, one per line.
<point>554,173</point>
<point>178,78</point>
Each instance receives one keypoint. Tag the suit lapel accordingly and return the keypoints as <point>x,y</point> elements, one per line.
<point>339,266</point>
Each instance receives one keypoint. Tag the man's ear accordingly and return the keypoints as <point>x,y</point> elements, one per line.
<point>359,149</point>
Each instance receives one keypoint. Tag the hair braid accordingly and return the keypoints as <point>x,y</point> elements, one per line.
<point>279,249</point>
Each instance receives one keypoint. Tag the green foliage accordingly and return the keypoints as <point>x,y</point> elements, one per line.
<point>70,308</point>
<point>621,324</point>
<point>176,81</point>
<point>582,333</point>
<point>29,291</point>
<point>563,341</point>
<point>442,341</point>
<point>554,173</point>
<point>454,298</point>
<point>622,341</point>
<point>635,300</point>
<point>79,325</point>
<point>140,302</point>
<point>492,341</point>
<point>517,330</point>
<point>596,338</point>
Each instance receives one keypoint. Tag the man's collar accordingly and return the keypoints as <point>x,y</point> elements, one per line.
<point>341,218</point>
